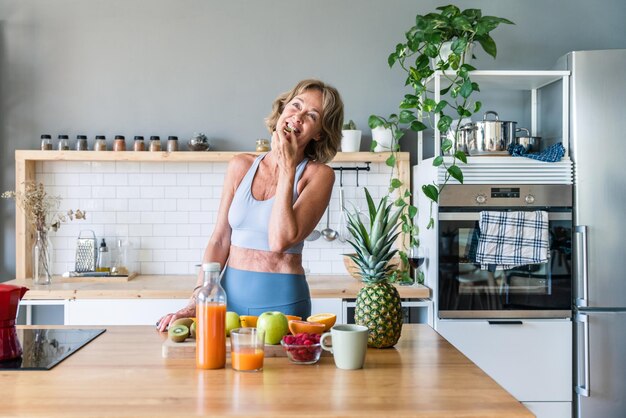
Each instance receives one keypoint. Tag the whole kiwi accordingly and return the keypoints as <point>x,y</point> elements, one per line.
<point>178,333</point>
<point>192,330</point>
<point>183,321</point>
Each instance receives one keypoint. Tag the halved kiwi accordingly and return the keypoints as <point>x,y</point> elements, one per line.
<point>192,330</point>
<point>183,321</point>
<point>178,333</point>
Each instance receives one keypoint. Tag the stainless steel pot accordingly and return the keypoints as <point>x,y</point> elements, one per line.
<point>530,143</point>
<point>487,137</point>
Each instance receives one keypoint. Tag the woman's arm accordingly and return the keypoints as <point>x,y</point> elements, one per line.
<point>289,223</point>
<point>218,247</point>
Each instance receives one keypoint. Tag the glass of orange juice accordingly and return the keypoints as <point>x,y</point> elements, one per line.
<point>247,349</point>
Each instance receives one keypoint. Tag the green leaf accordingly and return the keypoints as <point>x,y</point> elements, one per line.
<point>446,145</point>
<point>417,126</point>
<point>429,105</point>
<point>488,44</point>
<point>466,89</point>
<point>391,60</point>
<point>406,116</point>
<point>456,173</point>
<point>431,50</point>
<point>477,106</point>
<point>373,145</point>
<point>444,123</point>
<point>438,161</point>
<point>461,156</point>
<point>391,161</point>
<point>440,106</point>
<point>459,44</point>
<point>399,202</point>
<point>412,211</point>
<point>431,192</point>
<point>395,183</point>
<point>431,223</point>
<point>445,90</point>
<point>375,121</point>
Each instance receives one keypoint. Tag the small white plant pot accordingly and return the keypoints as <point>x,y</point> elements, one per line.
<point>383,138</point>
<point>350,140</point>
<point>446,50</point>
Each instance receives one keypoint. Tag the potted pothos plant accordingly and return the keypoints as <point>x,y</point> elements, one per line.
<point>439,41</point>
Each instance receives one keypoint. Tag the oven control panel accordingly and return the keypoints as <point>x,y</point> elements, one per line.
<point>534,195</point>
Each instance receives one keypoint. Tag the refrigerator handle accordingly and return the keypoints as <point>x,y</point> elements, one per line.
<point>581,264</point>
<point>584,389</point>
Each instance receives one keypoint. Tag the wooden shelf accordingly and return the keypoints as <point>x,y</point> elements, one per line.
<point>25,161</point>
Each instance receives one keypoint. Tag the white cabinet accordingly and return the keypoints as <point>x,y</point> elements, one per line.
<point>328,305</point>
<point>119,311</point>
<point>532,359</point>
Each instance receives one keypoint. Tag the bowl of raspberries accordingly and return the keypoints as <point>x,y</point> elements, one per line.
<point>302,348</point>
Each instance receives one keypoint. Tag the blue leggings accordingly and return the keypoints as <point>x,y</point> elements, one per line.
<point>252,292</point>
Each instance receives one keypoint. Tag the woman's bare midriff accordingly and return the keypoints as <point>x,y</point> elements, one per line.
<point>264,261</point>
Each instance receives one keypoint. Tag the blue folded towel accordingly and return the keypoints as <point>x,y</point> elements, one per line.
<point>551,154</point>
<point>510,239</point>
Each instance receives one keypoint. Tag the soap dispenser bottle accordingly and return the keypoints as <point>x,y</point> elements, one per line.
<point>104,258</point>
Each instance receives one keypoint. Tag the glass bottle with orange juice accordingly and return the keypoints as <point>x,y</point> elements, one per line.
<point>211,320</point>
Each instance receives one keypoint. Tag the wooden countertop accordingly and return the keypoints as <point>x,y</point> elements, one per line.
<point>180,287</point>
<point>121,374</point>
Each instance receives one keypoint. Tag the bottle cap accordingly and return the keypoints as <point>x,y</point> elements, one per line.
<point>119,137</point>
<point>211,266</point>
<point>100,137</point>
<point>172,138</point>
<point>81,136</point>
<point>44,136</point>
<point>63,137</point>
<point>138,138</point>
<point>155,138</point>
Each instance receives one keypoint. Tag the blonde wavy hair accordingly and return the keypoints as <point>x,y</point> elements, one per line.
<point>326,147</point>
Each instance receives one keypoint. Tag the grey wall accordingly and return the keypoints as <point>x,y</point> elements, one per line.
<point>178,66</point>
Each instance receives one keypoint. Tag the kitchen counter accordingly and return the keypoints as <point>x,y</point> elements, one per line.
<point>122,373</point>
<point>180,287</point>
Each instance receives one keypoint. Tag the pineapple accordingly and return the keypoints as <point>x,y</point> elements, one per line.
<point>378,302</point>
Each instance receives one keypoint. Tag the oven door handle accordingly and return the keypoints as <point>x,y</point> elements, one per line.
<point>475,216</point>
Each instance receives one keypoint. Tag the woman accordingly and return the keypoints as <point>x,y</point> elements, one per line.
<point>270,203</point>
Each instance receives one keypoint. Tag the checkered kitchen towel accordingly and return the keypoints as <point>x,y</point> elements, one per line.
<point>510,239</point>
<point>552,154</point>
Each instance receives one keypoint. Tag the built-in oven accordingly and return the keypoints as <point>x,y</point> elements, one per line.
<point>468,290</point>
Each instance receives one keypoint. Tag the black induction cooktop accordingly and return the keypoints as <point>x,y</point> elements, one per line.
<point>44,348</point>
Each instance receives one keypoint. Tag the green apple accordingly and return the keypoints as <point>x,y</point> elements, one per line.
<point>275,325</point>
<point>232,322</point>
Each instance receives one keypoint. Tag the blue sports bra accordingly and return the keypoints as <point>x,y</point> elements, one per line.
<point>249,217</point>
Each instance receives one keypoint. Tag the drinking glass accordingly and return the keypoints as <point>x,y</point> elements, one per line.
<point>247,349</point>
<point>417,258</point>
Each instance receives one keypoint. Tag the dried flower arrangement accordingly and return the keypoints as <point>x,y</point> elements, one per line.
<point>41,210</point>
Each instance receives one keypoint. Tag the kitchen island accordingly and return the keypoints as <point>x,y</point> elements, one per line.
<point>122,373</point>
<point>145,298</point>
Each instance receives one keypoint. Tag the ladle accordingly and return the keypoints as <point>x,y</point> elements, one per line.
<point>328,233</point>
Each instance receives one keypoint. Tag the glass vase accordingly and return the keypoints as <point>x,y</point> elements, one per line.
<point>42,259</point>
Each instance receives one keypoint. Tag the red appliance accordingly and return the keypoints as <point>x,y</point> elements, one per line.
<point>10,297</point>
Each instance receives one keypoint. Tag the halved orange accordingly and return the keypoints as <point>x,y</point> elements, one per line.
<point>248,320</point>
<point>297,327</point>
<point>327,319</point>
<point>293,317</point>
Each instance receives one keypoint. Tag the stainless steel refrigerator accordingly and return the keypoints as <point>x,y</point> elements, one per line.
<point>597,143</point>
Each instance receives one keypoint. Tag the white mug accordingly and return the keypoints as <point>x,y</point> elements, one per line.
<point>349,345</point>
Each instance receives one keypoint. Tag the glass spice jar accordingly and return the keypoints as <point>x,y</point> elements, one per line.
<point>262,145</point>
<point>119,143</point>
<point>64,143</point>
<point>100,144</point>
<point>138,144</point>
<point>172,143</point>
<point>46,142</point>
<point>81,143</point>
<point>155,143</point>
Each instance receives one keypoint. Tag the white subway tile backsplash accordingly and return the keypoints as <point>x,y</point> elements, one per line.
<point>104,192</point>
<point>152,267</point>
<point>140,230</point>
<point>167,211</point>
<point>176,192</point>
<point>152,192</point>
<point>163,179</point>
